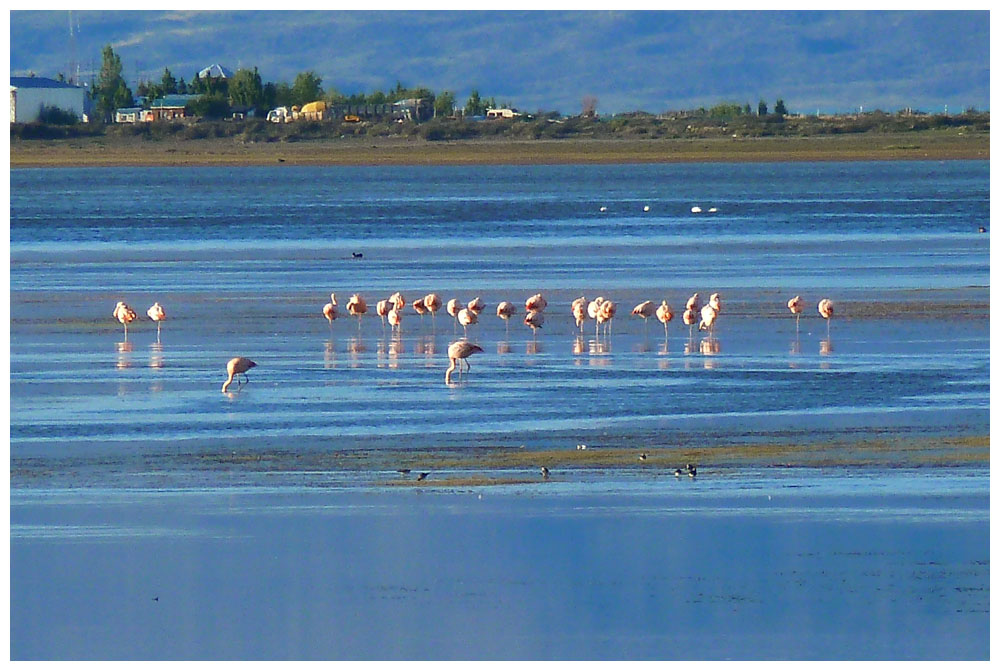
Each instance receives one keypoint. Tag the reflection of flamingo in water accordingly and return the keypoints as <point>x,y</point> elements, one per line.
<point>826,309</point>
<point>796,305</point>
<point>157,314</point>
<point>237,366</point>
<point>457,352</point>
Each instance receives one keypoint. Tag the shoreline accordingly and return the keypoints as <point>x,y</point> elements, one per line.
<point>364,151</point>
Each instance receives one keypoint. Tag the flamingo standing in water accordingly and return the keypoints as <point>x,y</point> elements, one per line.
<point>330,310</point>
<point>157,314</point>
<point>433,303</point>
<point>692,303</point>
<point>690,318</point>
<point>453,307</point>
<point>237,366</point>
<point>457,352</point>
<point>645,310</point>
<point>593,309</point>
<point>716,302</point>
<point>535,303</point>
<point>395,318</point>
<point>708,317</point>
<point>606,314</point>
<point>467,317</point>
<point>382,310</point>
<point>505,310</point>
<point>579,310</point>
<point>664,314</point>
<point>420,309</point>
<point>534,319</point>
<point>826,310</point>
<point>796,305</point>
<point>125,315</point>
<point>476,305</point>
<point>397,300</point>
<point>356,306</point>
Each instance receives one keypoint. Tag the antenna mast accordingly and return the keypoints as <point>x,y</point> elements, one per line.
<point>74,66</point>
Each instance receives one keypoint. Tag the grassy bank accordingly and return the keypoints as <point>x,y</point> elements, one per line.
<point>231,151</point>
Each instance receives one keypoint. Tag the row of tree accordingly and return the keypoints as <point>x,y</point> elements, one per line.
<point>729,110</point>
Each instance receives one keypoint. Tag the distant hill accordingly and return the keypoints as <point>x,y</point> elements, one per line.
<point>551,60</point>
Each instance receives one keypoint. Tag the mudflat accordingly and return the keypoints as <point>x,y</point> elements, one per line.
<point>112,151</point>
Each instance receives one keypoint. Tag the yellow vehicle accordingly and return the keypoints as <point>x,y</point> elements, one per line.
<point>352,118</point>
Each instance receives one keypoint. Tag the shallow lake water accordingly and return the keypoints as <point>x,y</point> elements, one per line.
<point>243,259</point>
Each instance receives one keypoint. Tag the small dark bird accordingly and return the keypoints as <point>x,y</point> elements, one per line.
<point>642,457</point>
<point>691,470</point>
<point>357,255</point>
<point>545,473</point>
<point>982,229</point>
<point>402,471</point>
<point>677,473</point>
<point>422,476</point>
<point>281,160</point>
<point>156,598</point>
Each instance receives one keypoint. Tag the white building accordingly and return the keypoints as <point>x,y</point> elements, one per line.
<point>29,94</point>
<point>502,113</point>
<point>215,71</point>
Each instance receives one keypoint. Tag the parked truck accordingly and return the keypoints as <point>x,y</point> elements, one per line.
<point>279,115</point>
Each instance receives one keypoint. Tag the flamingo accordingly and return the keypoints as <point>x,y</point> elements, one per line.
<point>606,314</point>
<point>467,317</point>
<point>645,310</point>
<point>433,303</point>
<point>476,305</point>
<point>692,303</point>
<point>534,319</point>
<point>459,351</point>
<point>382,309</point>
<point>453,308</point>
<point>690,318</point>
<point>357,307</point>
<point>124,314</point>
<point>826,310</point>
<point>796,305</point>
<point>395,317</point>
<point>157,314</point>
<point>593,308</point>
<point>420,309</point>
<point>536,303</point>
<point>716,302</point>
<point>579,310</point>
<point>505,310</point>
<point>330,310</point>
<point>664,314</point>
<point>237,366</point>
<point>398,300</point>
<point>708,316</point>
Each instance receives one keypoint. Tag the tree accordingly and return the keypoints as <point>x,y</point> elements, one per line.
<point>444,104</point>
<point>761,108</point>
<point>210,106</point>
<point>475,105</point>
<point>746,109</point>
<point>182,86</point>
<point>282,95</point>
<point>779,107</point>
<point>168,84</point>
<point>246,88</point>
<point>306,88</point>
<point>111,91</point>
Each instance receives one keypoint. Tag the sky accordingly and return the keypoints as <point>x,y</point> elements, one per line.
<point>653,61</point>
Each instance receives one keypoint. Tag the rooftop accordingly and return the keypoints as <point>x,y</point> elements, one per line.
<point>39,83</point>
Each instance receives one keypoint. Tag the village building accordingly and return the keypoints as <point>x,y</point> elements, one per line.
<point>28,95</point>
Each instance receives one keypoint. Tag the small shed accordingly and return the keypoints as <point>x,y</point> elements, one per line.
<point>170,107</point>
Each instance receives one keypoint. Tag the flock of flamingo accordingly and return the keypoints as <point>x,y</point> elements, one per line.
<point>601,310</point>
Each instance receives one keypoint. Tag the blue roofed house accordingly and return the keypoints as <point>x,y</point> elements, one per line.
<point>169,107</point>
<point>28,95</point>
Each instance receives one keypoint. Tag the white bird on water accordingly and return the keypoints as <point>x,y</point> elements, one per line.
<point>157,314</point>
<point>237,366</point>
<point>457,352</point>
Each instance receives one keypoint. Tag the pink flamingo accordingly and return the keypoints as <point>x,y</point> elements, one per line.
<point>505,310</point>
<point>125,315</point>
<point>157,314</point>
<point>534,319</point>
<point>664,314</point>
<point>796,305</point>
<point>237,366</point>
<point>356,306</point>
<point>457,352</point>
<point>535,303</point>
<point>826,310</point>
<point>330,310</point>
